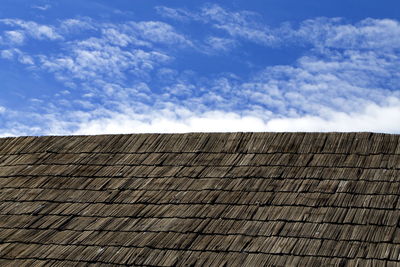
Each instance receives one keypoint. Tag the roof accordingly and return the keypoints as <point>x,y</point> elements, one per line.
<point>201,198</point>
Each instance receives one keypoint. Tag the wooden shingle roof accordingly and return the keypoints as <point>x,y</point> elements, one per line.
<point>250,199</point>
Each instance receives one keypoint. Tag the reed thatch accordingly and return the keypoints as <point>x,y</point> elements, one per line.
<point>201,199</point>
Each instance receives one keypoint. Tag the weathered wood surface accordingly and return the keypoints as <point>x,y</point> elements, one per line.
<point>279,199</point>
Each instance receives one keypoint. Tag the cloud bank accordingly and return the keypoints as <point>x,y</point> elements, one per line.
<point>373,118</point>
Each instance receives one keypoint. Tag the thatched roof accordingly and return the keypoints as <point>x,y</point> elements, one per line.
<point>206,199</point>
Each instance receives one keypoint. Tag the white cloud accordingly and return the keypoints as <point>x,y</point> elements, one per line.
<point>42,8</point>
<point>14,37</point>
<point>175,13</point>
<point>76,25</point>
<point>12,125</point>
<point>320,32</point>
<point>159,32</point>
<point>115,37</point>
<point>242,24</point>
<point>238,24</point>
<point>211,122</point>
<point>34,29</point>
<point>217,44</point>
<point>16,53</point>
<point>180,89</point>
<point>366,34</point>
<point>347,82</point>
<point>372,118</point>
<point>26,59</point>
<point>93,59</point>
<point>7,53</point>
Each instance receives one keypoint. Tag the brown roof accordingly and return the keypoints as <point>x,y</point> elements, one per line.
<point>206,199</point>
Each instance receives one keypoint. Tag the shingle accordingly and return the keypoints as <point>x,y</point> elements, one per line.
<point>201,198</point>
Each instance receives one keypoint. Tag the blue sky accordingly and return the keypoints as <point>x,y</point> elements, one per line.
<point>122,66</point>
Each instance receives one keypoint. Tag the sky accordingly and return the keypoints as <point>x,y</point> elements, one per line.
<point>128,66</point>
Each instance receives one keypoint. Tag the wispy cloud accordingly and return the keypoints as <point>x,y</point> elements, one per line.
<point>70,26</point>
<point>176,13</point>
<point>33,29</point>
<point>114,52</point>
<point>366,34</point>
<point>217,44</point>
<point>93,58</point>
<point>13,38</point>
<point>42,8</point>
<point>123,77</point>
<point>15,53</point>
<point>320,32</point>
<point>243,24</point>
<point>159,32</point>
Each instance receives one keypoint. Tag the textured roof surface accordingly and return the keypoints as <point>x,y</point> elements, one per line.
<point>205,199</point>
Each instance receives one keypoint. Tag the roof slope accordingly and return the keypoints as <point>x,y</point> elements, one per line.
<point>200,198</point>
